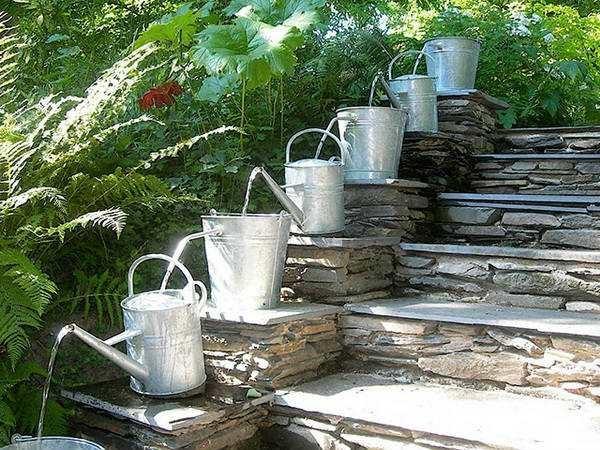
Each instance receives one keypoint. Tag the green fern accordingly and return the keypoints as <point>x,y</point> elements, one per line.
<point>10,49</point>
<point>25,291</point>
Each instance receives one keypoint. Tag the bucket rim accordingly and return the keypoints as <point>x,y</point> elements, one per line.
<point>348,108</point>
<point>58,438</point>
<point>219,215</point>
<point>461,38</point>
<point>157,291</point>
<point>410,76</point>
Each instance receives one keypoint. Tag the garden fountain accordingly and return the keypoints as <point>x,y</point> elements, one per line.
<point>453,62</point>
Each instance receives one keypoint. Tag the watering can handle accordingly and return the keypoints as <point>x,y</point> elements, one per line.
<point>203,290</point>
<point>408,52</point>
<point>329,128</point>
<point>313,130</point>
<point>141,259</point>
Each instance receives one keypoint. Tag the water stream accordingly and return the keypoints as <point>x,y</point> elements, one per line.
<point>61,334</point>
<point>255,172</point>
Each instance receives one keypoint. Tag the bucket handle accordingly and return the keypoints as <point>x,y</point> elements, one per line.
<point>325,133</point>
<point>191,283</point>
<point>421,53</point>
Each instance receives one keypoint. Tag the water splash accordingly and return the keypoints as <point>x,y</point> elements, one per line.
<point>255,172</point>
<point>61,335</point>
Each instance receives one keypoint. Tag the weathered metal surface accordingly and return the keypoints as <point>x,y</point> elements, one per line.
<point>453,62</point>
<point>52,443</point>
<point>246,260</point>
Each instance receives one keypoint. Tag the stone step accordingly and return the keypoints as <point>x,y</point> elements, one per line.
<point>546,221</point>
<point>486,346</point>
<point>362,411</point>
<point>509,276</point>
<point>557,139</point>
<point>556,173</point>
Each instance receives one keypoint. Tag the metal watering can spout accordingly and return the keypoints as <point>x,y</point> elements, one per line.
<point>388,90</point>
<point>105,348</point>
<point>280,194</point>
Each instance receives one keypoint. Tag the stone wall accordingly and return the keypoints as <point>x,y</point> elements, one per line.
<point>269,356</point>
<point>475,353</point>
<point>511,226</point>
<point>551,279</point>
<point>572,175</point>
<point>338,275</point>
<point>549,140</point>
<point>439,159</point>
<point>397,208</point>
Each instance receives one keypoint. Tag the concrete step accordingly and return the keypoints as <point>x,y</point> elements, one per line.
<point>508,276</point>
<point>361,411</point>
<point>528,173</point>
<point>545,221</point>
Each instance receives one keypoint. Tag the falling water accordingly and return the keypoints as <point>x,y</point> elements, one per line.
<point>61,334</point>
<point>255,172</point>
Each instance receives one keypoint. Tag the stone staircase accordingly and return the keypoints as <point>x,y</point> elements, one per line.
<point>490,335</point>
<point>450,314</point>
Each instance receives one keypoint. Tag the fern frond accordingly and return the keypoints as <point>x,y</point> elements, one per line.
<point>112,219</point>
<point>41,195</point>
<point>173,150</point>
<point>10,48</point>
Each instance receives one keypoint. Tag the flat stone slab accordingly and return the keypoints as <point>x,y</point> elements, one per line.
<point>494,418</point>
<point>543,320</point>
<point>523,198</point>
<point>282,314</point>
<point>341,242</point>
<point>592,256</point>
<point>393,182</point>
<point>481,97</point>
<point>539,156</point>
<point>527,207</point>
<point>164,415</point>
<point>587,129</point>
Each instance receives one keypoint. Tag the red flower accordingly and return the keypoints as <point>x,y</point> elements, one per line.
<point>161,95</point>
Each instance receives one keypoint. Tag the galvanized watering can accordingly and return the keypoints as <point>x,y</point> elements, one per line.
<point>416,93</point>
<point>51,443</point>
<point>453,62</point>
<point>163,335</point>
<point>372,141</point>
<point>246,257</point>
<point>314,189</point>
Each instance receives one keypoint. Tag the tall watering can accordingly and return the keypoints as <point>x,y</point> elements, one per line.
<point>416,93</point>
<point>163,335</point>
<point>246,258</point>
<point>453,62</point>
<point>314,189</point>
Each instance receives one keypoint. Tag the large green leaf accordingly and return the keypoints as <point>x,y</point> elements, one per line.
<point>215,87</point>
<point>301,14</point>
<point>175,28</point>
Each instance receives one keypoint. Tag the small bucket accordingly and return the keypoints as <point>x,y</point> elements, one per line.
<point>246,259</point>
<point>372,138</point>
<point>52,443</point>
<point>453,62</point>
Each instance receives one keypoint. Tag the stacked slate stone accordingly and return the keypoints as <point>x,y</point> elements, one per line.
<point>269,356</point>
<point>479,354</point>
<point>399,208</point>
<point>440,160</point>
<point>339,275</point>
<point>111,415</point>
<point>499,225</point>
<point>469,118</point>
<point>549,140</point>
<point>532,278</point>
<point>578,174</point>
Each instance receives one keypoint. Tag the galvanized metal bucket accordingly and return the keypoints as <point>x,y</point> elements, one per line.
<point>453,62</point>
<point>163,335</point>
<point>372,138</point>
<point>246,259</point>
<point>51,443</point>
<point>416,93</point>
<point>316,186</point>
